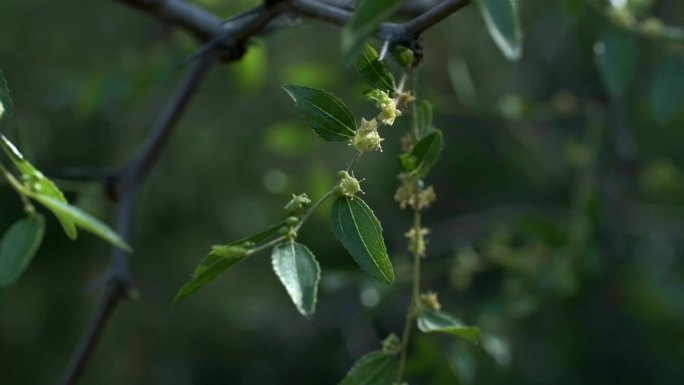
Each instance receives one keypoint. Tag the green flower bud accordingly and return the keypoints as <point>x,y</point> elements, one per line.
<point>348,185</point>
<point>292,221</point>
<point>405,57</point>
<point>298,204</point>
<point>283,230</point>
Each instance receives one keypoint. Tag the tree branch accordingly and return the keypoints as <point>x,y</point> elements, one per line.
<point>126,187</point>
<point>432,16</point>
<point>227,37</point>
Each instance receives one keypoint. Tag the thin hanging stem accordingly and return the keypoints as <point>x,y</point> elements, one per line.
<point>416,233</point>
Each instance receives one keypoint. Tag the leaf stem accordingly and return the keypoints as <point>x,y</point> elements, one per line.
<point>312,209</point>
<point>266,245</point>
<point>352,162</point>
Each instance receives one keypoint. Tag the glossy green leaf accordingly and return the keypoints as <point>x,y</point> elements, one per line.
<point>39,184</point>
<point>81,219</point>
<point>424,154</point>
<point>359,231</point>
<point>373,71</point>
<point>374,368</point>
<point>298,270</point>
<point>325,113</point>
<point>503,24</point>
<point>616,58</point>
<point>220,259</point>
<point>432,321</point>
<point>367,16</point>
<point>5,100</point>
<point>424,117</point>
<point>667,89</point>
<point>18,246</point>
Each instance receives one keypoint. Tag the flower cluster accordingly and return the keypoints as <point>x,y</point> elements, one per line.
<point>367,137</point>
<point>417,241</point>
<point>413,194</point>
<point>388,106</point>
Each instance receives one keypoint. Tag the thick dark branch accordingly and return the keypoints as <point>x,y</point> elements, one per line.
<point>90,336</point>
<point>196,20</point>
<point>126,186</point>
<point>418,25</point>
<point>149,151</point>
<point>321,11</point>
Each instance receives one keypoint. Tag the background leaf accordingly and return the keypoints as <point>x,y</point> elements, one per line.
<point>373,71</point>
<point>616,58</point>
<point>374,368</point>
<point>359,231</point>
<point>220,259</point>
<point>81,219</point>
<point>667,89</point>
<point>366,18</point>
<point>325,113</point>
<point>424,117</point>
<point>18,246</point>
<point>424,154</point>
<point>298,270</point>
<point>503,24</point>
<point>430,321</point>
<point>5,100</point>
<point>39,184</point>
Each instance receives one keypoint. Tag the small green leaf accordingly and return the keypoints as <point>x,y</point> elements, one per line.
<point>424,117</point>
<point>325,113</point>
<point>430,321</point>
<point>424,154</point>
<point>374,368</point>
<point>616,58</point>
<point>503,24</point>
<point>667,89</point>
<point>18,246</point>
<point>373,71</point>
<point>298,270</point>
<point>366,18</point>
<point>220,259</point>
<point>359,231</point>
<point>81,219</point>
<point>5,100</point>
<point>38,183</point>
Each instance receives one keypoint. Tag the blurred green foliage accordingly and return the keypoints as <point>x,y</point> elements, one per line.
<point>565,249</point>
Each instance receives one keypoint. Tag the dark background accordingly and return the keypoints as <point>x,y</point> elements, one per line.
<point>565,252</point>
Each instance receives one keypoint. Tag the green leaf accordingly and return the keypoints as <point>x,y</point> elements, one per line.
<point>81,219</point>
<point>359,231</point>
<point>18,246</point>
<point>432,321</point>
<point>374,368</point>
<point>616,58</point>
<point>424,117</point>
<point>325,113</point>
<point>503,24</point>
<point>220,259</point>
<point>39,184</point>
<point>667,89</point>
<point>366,18</point>
<point>5,100</point>
<point>373,71</point>
<point>424,154</point>
<point>298,270</point>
